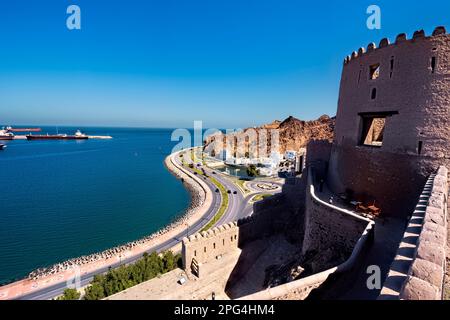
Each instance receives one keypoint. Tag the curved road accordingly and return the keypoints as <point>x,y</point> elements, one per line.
<point>57,289</point>
<point>238,207</point>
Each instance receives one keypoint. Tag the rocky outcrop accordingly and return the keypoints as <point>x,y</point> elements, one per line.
<point>293,133</point>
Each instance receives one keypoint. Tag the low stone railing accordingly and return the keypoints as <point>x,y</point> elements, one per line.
<point>303,287</point>
<point>328,224</point>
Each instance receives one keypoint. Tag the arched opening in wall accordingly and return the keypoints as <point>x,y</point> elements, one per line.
<point>195,253</point>
<point>223,241</point>
<point>235,237</point>
<point>204,249</point>
<point>247,147</point>
<point>359,75</point>
<point>214,245</point>
<point>231,239</point>
<point>373,94</point>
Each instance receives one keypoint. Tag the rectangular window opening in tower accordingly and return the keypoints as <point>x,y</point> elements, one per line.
<point>373,131</point>
<point>374,71</point>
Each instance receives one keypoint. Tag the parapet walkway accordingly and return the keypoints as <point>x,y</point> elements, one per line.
<point>387,237</point>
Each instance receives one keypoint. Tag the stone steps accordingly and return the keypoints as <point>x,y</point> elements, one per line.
<point>406,252</point>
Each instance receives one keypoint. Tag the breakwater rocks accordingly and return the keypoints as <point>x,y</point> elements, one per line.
<point>198,196</point>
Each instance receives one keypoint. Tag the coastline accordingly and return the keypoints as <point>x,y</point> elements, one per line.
<point>201,200</point>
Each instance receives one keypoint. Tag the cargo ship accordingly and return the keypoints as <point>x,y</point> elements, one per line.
<point>5,135</point>
<point>77,136</point>
<point>11,129</point>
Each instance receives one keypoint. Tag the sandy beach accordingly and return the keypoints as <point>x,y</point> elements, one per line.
<point>201,199</point>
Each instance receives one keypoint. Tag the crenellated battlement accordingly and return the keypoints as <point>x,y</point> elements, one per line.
<point>392,122</point>
<point>245,220</point>
<point>207,246</point>
<point>385,42</point>
<point>216,231</point>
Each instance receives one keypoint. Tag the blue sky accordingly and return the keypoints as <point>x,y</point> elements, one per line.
<point>166,63</point>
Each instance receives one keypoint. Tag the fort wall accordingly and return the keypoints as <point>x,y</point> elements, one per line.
<point>391,136</point>
<point>318,155</point>
<point>278,214</point>
<point>343,228</point>
<point>271,216</point>
<point>358,229</point>
<point>418,269</point>
<point>328,226</point>
<point>207,245</point>
<point>406,84</point>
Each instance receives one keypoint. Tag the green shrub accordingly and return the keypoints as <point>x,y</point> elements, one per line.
<point>124,277</point>
<point>70,294</point>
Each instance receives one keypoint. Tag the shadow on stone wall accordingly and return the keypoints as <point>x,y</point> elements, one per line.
<point>278,217</point>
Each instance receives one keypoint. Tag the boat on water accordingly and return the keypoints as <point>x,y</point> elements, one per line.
<point>11,129</point>
<point>77,136</point>
<point>5,135</point>
<point>2,146</point>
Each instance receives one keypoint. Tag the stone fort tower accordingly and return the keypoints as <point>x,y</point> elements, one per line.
<point>393,124</point>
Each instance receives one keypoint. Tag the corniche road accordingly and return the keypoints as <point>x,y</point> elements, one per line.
<point>238,207</point>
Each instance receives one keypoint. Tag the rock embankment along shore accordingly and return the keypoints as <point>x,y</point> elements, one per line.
<point>201,199</point>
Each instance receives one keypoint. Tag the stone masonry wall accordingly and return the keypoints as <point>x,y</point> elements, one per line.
<point>208,245</point>
<point>318,154</point>
<point>329,226</point>
<point>413,94</point>
<point>417,272</point>
<point>427,271</point>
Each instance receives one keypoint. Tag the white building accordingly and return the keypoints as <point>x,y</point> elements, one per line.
<point>224,155</point>
<point>276,157</point>
<point>290,155</point>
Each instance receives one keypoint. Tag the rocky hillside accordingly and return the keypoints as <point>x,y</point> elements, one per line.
<point>294,134</point>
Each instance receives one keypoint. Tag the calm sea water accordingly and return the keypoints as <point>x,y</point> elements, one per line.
<point>64,199</point>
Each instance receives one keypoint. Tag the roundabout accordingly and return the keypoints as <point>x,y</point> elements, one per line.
<point>263,186</point>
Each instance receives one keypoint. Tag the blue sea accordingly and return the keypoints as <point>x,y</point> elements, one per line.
<point>64,199</point>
